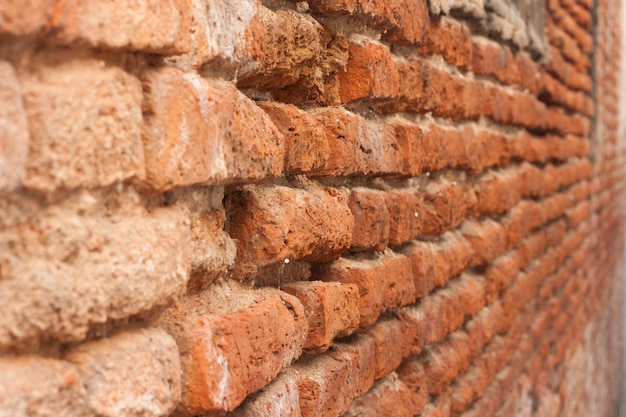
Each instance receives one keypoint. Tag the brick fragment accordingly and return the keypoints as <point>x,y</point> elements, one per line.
<point>135,373</point>
<point>228,355</point>
<point>199,132</point>
<point>84,120</point>
<point>65,271</point>
<point>306,147</point>
<point>35,386</point>
<point>331,309</point>
<point>14,138</point>
<point>275,223</point>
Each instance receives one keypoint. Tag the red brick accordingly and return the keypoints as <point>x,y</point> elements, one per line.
<point>410,141</point>
<point>306,147</point>
<point>14,138</point>
<point>274,223</point>
<point>487,239</point>
<point>85,262</point>
<point>500,275</point>
<point>451,40</point>
<point>384,281</point>
<point>328,384</point>
<point>411,373</point>
<point>497,192</point>
<point>228,355</point>
<point>331,310</point>
<point>135,373</point>
<point>183,146</point>
<point>371,220</point>
<point>389,396</point>
<point>406,214</point>
<point>360,351</point>
<point>446,203</point>
<point>84,120</point>
<point>160,27</point>
<point>388,337</point>
<point>369,74</point>
<point>33,385</point>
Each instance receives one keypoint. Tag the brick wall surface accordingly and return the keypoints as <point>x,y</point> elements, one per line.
<point>314,208</point>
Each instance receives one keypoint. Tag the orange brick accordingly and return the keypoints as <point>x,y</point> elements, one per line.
<point>388,337</point>
<point>389,396</point>
<point>306,147</point>
<point>359,81</point>
<point>273,224</point>
<point>280,396</point>
<point>446,203</point>
<point>183,146</point>
<point>487,239</point>
<point>371,220</point>
<point>406,212</point>
<point>114,369</point>
<point>73,141</point>
<point>451,40</point>
<point>384,282</point>
<point>28,17</point>
<point>160,27</point>
<point>228,355</point>
<point>331,310</point>
<point>497,192</point>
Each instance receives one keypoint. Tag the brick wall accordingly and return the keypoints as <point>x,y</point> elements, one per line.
<point>322,208</point>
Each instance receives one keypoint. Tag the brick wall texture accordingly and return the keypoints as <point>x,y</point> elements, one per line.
<point>308,209</point>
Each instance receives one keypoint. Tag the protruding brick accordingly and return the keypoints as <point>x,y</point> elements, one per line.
<point>233,353</point>
<point>446,203</point>
<point>384,282</point>
<point>272,224</point>
<point>487,239</point>
<point>135,373</point>
<point>360,81</point>
<point>406,214</point>
<point>306,147</point>
<point>371,220</point>
<point>84,119</point>
<point>65,271</point>
<point>331,309</point>
<point>35,386</point>
<point>388,339</point>
<point>158,27</point>
<point>199,132</point>
<point>449,39</point>
<point>14,138</point>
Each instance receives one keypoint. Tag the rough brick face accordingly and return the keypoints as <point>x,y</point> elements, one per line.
<point>311,208</point>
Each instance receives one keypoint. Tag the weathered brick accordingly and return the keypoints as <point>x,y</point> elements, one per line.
<point>359,81</point>
<point>135,373</point>
<point>497,192</point>
<point>406,213</point>
<point>451,40</point>
<point>272,224</point>
<point>231,348</point>
<point>150,26</point>
<point>331,310</point>
<point>328,384</point>
<point>384,282</point>
<point>371,219</point>
<point>487,239</point>
<point>14,137</point>
<point>37,386</point>
<point>28,17</point>
<point>84,119</point>
<point>411,373</point>
<point>446,203</point>
<point>306,147</point>
<point>199,132</point>
<point>71,268</point>
<point>389,396</point>
<point>277,399</point>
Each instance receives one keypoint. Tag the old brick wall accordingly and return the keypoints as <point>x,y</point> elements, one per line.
<point>322,208</point>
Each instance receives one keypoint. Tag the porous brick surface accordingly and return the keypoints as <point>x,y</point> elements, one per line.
<point>309,208</point>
